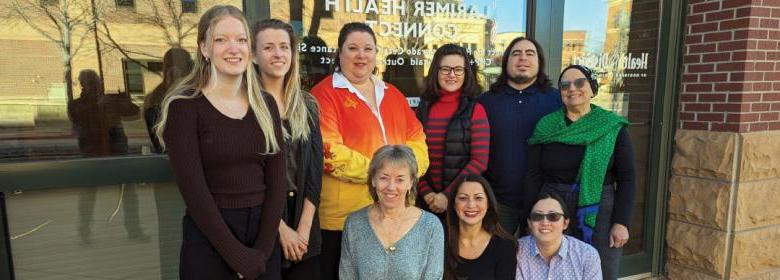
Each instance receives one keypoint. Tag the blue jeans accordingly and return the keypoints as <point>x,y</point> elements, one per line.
<point>610,257</point>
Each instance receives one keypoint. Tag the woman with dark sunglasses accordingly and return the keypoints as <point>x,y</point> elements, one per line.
<point>583,153</point>
<point>548,253</point>
<point>456,126</point>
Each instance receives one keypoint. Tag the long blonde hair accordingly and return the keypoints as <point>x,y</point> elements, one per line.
<point>191,86</point>
<point>294,100</point>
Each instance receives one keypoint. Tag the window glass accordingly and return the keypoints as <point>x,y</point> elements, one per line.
<point>71,87</point>
<point>125,3</point>
<point>408,34</point>
<point>127,231</point>
<point>189,6</point>
<point>618,39</point>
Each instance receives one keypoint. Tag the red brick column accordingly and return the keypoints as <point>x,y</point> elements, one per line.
<point>724,218</point>
<point>731,78</point>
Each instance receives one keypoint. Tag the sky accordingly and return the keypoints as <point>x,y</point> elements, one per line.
<point>509,16</point>
<point>508,13</point>
<point>594,21</point>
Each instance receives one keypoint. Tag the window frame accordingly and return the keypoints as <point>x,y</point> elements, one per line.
<point>126,4</point>
<point>192,6</point>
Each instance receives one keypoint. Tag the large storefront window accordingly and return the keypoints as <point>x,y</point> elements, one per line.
<point>408,34</point>
<point>124,231</point>
<point>82,78</point>
<point>618,40</point>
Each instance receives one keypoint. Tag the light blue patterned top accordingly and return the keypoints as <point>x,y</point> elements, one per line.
<point>576,260</point>
<point>418,255</point>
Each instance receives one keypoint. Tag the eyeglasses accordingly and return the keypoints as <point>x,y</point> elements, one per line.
<point>552,217</point>
<point>578,83</point>
<point>447,70</point>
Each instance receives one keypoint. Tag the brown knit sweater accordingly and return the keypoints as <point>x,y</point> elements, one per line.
<point>217,163</point>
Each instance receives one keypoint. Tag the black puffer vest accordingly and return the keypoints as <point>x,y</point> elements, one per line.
<point>457,143</point>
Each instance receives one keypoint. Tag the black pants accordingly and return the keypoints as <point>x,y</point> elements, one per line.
<point>308,269</point>
<point>331,254</point>
<point>199,259</point>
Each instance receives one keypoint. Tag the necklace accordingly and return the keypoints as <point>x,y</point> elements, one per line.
<point>396,224</point>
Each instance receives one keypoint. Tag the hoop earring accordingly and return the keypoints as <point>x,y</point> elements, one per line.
<point>207,60</point>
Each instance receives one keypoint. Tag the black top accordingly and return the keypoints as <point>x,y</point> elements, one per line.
<point>220,162</point>
<point>498,261</point>
<point>307,179</point>
<point>560,163</point>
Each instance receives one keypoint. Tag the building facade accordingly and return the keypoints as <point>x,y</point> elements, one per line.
<point>698,80</point>
<point>723,222</point>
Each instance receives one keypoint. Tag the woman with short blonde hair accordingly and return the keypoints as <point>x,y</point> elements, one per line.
<point>392,238</point>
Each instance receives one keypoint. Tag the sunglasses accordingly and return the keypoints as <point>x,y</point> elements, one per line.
<point>578,83</point>
<point>552,217</point>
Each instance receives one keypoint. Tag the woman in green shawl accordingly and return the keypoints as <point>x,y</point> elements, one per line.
<point>583,153</point>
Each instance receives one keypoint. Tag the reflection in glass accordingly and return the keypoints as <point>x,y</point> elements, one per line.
<point>618,40</point>
<point>129,231</point>
<point>47,111</point>
<point>177,63</point>
<point>408,33</point>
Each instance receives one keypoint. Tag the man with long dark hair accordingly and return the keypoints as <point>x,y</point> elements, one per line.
<point>521,95</point>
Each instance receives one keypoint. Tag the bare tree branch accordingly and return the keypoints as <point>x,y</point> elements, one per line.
<point>17,10</point>
<point>55,23</point>
<point>114,45</point>
<point>83,37</point>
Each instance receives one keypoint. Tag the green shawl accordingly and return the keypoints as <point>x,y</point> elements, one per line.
<point>597,131</point>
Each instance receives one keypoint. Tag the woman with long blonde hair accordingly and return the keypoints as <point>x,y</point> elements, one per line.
<point>277,64</point>
<point>224,140</point>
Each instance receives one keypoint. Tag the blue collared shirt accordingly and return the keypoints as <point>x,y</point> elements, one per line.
<point>512,115</point>
<point>575,260</point>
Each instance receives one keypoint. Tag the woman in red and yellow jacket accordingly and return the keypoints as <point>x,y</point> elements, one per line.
<point>359,113</point>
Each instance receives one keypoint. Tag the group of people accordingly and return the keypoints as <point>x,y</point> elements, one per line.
<point>348,182</point>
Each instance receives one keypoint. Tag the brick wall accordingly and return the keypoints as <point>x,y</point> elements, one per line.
<point>731,79</point>
<point>724,222</point>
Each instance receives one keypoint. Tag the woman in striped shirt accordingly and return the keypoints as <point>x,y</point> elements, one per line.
<point>456,127</point>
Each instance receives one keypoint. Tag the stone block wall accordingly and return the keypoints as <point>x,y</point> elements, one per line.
<point>724,203</point>
<point>724,217</point>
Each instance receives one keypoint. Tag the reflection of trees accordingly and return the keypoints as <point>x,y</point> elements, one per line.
<point>317,14</point>
<point>615,43</point>
<point>312,68</point>
<point>57,21</point>
<point>167,19</point>
<point>409,78</point>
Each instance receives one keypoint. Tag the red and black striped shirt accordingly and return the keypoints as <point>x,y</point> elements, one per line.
<point>435,131</point>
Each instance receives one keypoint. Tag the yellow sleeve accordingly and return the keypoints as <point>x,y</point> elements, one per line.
<point>340,161</point>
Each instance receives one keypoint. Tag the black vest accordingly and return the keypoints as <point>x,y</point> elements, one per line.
<point>457,141</point>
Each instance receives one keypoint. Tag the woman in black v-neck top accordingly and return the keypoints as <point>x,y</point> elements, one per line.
<point>476,245</point>
<point>224,141</point>
<point>498,261</point>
